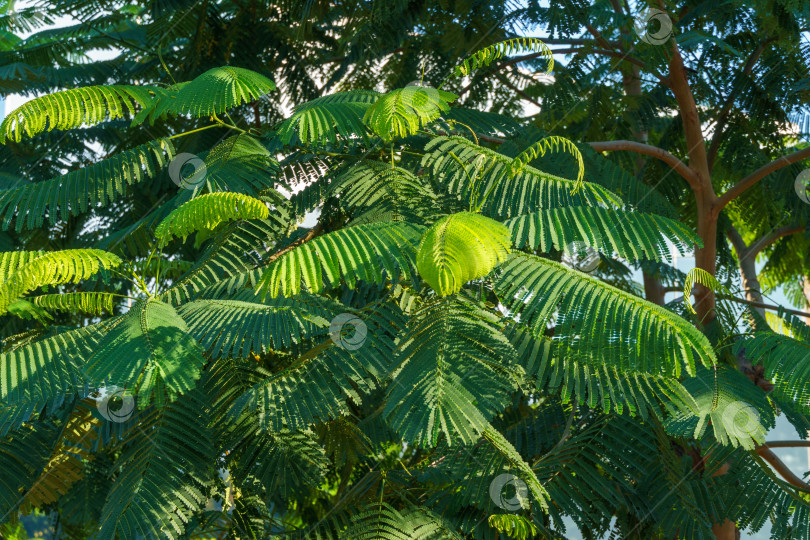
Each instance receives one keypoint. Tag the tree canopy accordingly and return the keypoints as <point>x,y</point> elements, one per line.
<point>307,270</point>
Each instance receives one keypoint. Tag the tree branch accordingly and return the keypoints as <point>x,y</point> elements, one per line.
<point>772,459</point>
<point>652,151</point>
<point>740,187</point>
<point>764,306</point>
<point>775,235</point>
<point>317,230</point>
<point>787,444</point>
<point>722,118</point>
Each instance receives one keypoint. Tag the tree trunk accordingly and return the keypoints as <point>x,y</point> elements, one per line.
<point>748,269</point>
<point>706,258</point>
<point>653,289</point>
<point>631,80</point>
<point>806,283</point>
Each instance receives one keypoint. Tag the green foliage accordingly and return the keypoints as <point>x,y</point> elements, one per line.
<point>403,112</point>
<point>211,93</point>
<point>605,385</point>
<point>738,411</point>
<point>481,176</point>
<point>486,56</point>
<point>85,302</point>
<point>321,120</point>
<point>364,252</point>
<point>166,471</point>
<point>459,248</point>
<point>599,324</point>
<point>698,275</point>
<point>149,350</point>
<point>454,372</point>
<point>56,268</point>
<point>381,521</point>
<point>78,191</point>
<point>396,368</point>
<point>206,212</point>
<point>631,235</point>
<point>549,144</point>
<point>513,525</point>
<point>74,108</point>
<point>786,361</point>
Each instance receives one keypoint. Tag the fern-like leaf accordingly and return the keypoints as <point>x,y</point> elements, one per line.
<point>74,108</point>
<point>459,248</point>
<point>787,364</point>
<point>238,325</point>
<point>54,268</point>
<point>631,235</point>
<point>481,176</point>
<point>550,144</point>
<point>92,303</point>
<point>211,93</point>
<point>403,112</point>
<point>513,525</point>
<point>601,385</point>
<point>382,522</point>
<point>701,276</point>
<point>206,212</point>
<point>77,191</point>
<point>597,323</point>
<point>39,370</point>
<point>355,253</point>
<point>455,372</point>
<point>738,411</point>
<point>322,120</point>
<point>165,474</point>
<point>148,351</point>
<point>486,56</point>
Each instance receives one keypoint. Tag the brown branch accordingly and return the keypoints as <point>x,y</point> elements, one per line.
<point>598,37</point>
<point>652,151</point>
<point>765,306</point>
<point>769,239</point>
<point>774,461</point>
<point>317,230</point>
<point>695,142</point>
<point>722,118</point>
<point>740,187</point>
<point>787,444</point>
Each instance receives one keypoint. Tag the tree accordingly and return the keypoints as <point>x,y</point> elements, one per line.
<point>417,344</point>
